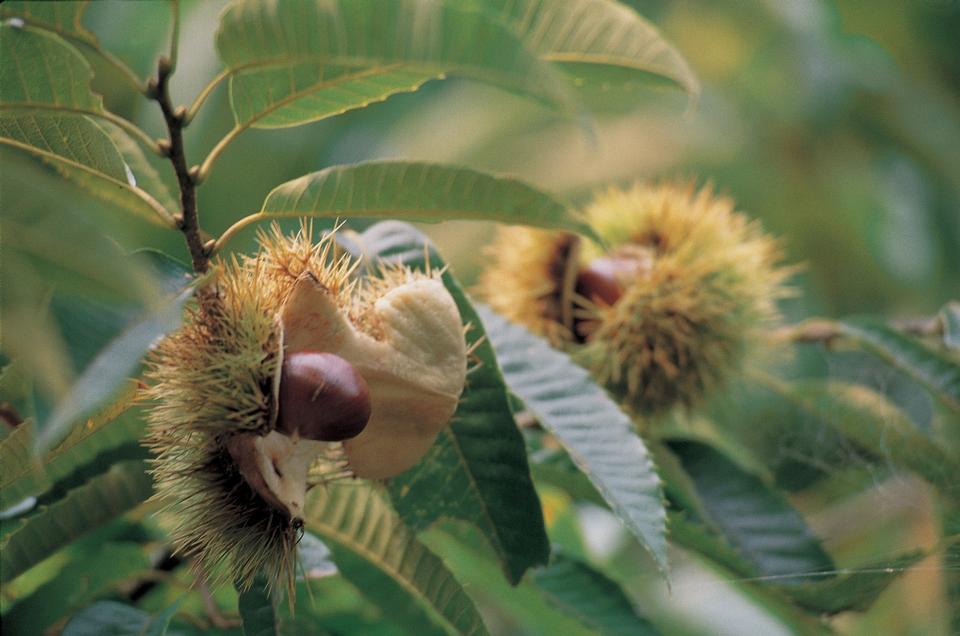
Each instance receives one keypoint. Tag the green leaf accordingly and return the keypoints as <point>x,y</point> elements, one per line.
<point>416,191</point>
<point>477,470</point>
<point>22,476</point>
<point>38,69</point>
<point>258,611</point>
<point>589,36</point>
<point>876,425</point>
<point>63,18</point>
<point>303,93</point>
<point>83,153</point>
<point>936,372</point>
<point>109,618</point>
<point>854,589</point>
<point>758,522</point>
<point>45,104</point>
<point>85,508</point>
<point>522,607</point>
<point>591,427</point>
<point>113,365</point>
<point>73,141</point>
<point>292,62</point>
<point>83,579</point>
<point>380,556</point>
<point>950,319</point>
<point>20,472</point>
<point>583,592</point>
<point>846,589</point>
<point>145,176</point>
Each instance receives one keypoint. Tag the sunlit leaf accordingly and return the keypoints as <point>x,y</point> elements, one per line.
<point>258,611</point>
<point>380,556</point>
<point>477,470</point>
<point>63,18</point>
<point>936,372</point>
<point>302,93</point>
<point>83,579</point>
<point>104,497</point>
<point>757,521</point>
<point>416,191</point>
<point>294,61</point>
<point>588,36</point>
<point>45,108</point>
<point>591,427</point>
<point>71,140</point>
<point>39,69</point>
<point>144,175</point>
<point>591,597</point>
<point>110,618</point>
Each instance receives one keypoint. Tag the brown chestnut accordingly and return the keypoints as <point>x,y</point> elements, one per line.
<point>600,280</point>
<point>322,397</point>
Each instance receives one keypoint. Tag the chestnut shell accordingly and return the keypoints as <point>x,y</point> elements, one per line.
<point>322,397</point>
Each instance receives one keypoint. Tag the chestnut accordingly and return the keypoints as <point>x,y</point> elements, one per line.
<point>322,397</point>
<point>600,280</point>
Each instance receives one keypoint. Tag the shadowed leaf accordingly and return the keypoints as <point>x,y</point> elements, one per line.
<point>591,427</point>
<point>589,596</point>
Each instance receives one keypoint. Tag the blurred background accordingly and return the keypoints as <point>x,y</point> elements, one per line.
<point>837,124</point>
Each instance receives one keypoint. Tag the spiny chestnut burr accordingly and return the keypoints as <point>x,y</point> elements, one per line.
<point>299,374</point>
<point>672,305</point>
<point>322,397</point>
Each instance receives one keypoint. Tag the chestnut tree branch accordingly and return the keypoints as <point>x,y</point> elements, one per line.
<point>188,222</point>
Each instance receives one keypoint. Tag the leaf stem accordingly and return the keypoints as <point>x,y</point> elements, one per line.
<point>204,94</point>
<point>233,229</point>
<point>188,223</point>
<point>207,164</point>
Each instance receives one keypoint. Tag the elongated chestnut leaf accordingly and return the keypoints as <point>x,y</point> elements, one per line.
<point>876,425</point>
<point>63,18</point>
<point>298,61</point>
<point>258,611</point>
<point>419,191</point>
<point>935,371</point>
<point>591,427</point>
<point>117,619</point>
<point>85,508</point>
<point>586,37</point>
<point>588,595</point>
<point>46,106</point>
<point>757,521</point>
<point>380,556</point>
